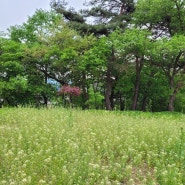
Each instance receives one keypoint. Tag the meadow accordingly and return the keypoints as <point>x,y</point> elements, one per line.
<point>67,146</point>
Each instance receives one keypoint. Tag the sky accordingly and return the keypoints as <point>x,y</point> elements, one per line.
<point>15,12</point>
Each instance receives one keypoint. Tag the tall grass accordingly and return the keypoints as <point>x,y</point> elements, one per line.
<point>65,147</point>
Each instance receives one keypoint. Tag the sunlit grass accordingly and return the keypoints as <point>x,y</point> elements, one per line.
<point>65,147</point>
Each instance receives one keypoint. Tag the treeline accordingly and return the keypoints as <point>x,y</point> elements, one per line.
<point>122,55</point>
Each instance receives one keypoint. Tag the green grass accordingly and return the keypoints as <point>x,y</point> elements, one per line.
<point>65,147</point>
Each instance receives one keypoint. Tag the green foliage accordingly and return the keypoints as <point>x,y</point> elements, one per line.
<point>95,99</point>
<point>138,63</point>
<point>180,102</point>
<point>39,26</point>
<point>167,15</point>
<point>97,55</point>
<point>18,84</point>
<point>135,42</point>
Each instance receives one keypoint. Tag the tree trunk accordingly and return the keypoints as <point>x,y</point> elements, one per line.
<point>108,88</point>
<point>174,93</point>
<point>122,103</point>
<point>171,103</point>
<point>85,93</point>
<point>108,91</point>
<point>37,101</point>
<point>145,97</point>
<point>144,103</point>
<point>172,96</point>
<point>139,66</point>
<point>45,100</point>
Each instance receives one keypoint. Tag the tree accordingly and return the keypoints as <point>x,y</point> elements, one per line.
<point>13,83</point>
<point>39,54</point>
<point>53,52</point>
<point>134,46</point>
<point>101,63</point>
<point>163,17</point>
<point>107,16</point>
<point>169,56</point>
<point>37,28</point>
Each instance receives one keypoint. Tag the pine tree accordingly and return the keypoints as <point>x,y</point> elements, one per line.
<point>101,17</point>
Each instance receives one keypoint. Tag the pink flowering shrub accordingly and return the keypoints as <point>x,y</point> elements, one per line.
<point>70,90</point>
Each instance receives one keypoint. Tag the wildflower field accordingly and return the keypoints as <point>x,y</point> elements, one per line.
<point>67,147</point>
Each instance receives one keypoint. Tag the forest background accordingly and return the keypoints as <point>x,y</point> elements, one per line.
<point>114,55</point>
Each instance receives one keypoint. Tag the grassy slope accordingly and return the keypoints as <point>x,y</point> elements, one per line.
<point>60,146</point>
